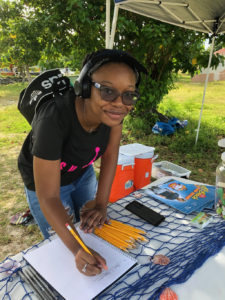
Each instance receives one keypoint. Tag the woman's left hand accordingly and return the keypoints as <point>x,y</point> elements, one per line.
<point>92,217</point>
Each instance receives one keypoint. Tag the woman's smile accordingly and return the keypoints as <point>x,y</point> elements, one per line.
<point>115,115</point>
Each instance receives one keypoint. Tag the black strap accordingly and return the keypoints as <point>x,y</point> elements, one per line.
<point>62,107</point>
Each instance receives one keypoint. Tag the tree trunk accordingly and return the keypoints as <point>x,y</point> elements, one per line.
<point>28,73</point>
<point>22,73</point>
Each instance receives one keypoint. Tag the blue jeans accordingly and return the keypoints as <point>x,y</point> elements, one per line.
<point>73,197</point>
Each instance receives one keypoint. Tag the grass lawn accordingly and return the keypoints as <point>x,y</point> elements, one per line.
<point>183,102</point>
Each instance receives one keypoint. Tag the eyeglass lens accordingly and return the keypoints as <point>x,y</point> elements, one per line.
<point>110,94</point>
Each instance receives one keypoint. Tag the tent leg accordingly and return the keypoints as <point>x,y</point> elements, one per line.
<point>107,24</point>
<point>114,22</point>
<point>206,82</point>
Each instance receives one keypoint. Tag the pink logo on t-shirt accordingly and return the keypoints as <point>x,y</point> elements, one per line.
<point>73,168</point>
<point>97,149</point>
<point>62,165</point>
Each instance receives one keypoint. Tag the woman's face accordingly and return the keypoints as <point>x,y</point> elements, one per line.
<point>114,75</point>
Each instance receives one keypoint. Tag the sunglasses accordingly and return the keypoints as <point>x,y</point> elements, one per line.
<point>110,94</point>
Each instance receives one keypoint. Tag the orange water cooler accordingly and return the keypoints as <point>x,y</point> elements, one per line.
<point>144,156</point>
<point>143,169</point>
<point>123,183</point>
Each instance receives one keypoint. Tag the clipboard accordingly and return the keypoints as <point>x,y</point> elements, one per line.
<point>55,263</point>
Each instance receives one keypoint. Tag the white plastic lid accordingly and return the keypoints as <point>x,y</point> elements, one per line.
<point>221,143</point>
<point>223,156</point>
<point>135,149</point>
<point>146,155</point>
<point>125,160</point>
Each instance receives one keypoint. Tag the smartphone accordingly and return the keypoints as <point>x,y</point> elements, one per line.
<point>145,213</point>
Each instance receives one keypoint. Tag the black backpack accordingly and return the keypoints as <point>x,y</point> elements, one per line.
<point>51,85</point>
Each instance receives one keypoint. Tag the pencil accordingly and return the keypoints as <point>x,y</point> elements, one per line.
<point>128,227</point>
<point>121,235</point>
<point>117,233</point>
<point>115,242</point>
<point>122,232</point>
<point>103,233</point>
<point>78,239</point>
<point>115,223</point>
<point>109,235</point>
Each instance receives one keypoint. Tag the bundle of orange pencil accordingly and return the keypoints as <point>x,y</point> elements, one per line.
<point>121,235</point>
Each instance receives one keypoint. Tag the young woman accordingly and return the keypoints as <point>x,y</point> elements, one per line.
<point>57,170</point>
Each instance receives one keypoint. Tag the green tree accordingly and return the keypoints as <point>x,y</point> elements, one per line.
<point>165,50</point>
<point>78,27</point>
<point>72,28</point>
<point>21,35</point>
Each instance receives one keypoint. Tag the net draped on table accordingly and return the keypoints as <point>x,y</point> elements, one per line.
<point>187,248</point>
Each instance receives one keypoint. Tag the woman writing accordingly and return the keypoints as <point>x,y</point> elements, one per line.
<point>58,174</point>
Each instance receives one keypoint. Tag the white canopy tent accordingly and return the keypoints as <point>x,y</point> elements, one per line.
<point>200,15</point>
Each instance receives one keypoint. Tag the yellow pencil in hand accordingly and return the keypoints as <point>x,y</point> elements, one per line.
<point>78,239</point>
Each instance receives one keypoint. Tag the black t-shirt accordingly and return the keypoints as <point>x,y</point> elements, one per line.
<point>52,138</point>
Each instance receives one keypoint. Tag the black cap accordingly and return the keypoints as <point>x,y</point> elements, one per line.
<point>102,57</point>
<point>96,59</point>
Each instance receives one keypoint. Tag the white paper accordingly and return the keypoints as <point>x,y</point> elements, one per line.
<point>54,262</point>
<point>207,282</point>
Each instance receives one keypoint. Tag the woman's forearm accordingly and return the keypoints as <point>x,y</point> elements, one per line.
<point>108,166</point>
<point>57,217</point>
<point>107,173</point>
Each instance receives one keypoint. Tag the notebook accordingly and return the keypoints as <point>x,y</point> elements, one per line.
<point>56,264</point>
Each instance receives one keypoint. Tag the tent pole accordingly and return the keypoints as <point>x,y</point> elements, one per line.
<point>107,24</point>
<point>206,81</point>
<point>114,22</point>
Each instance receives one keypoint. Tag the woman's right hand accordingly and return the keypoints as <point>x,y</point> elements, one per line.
<point>89,265</point>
